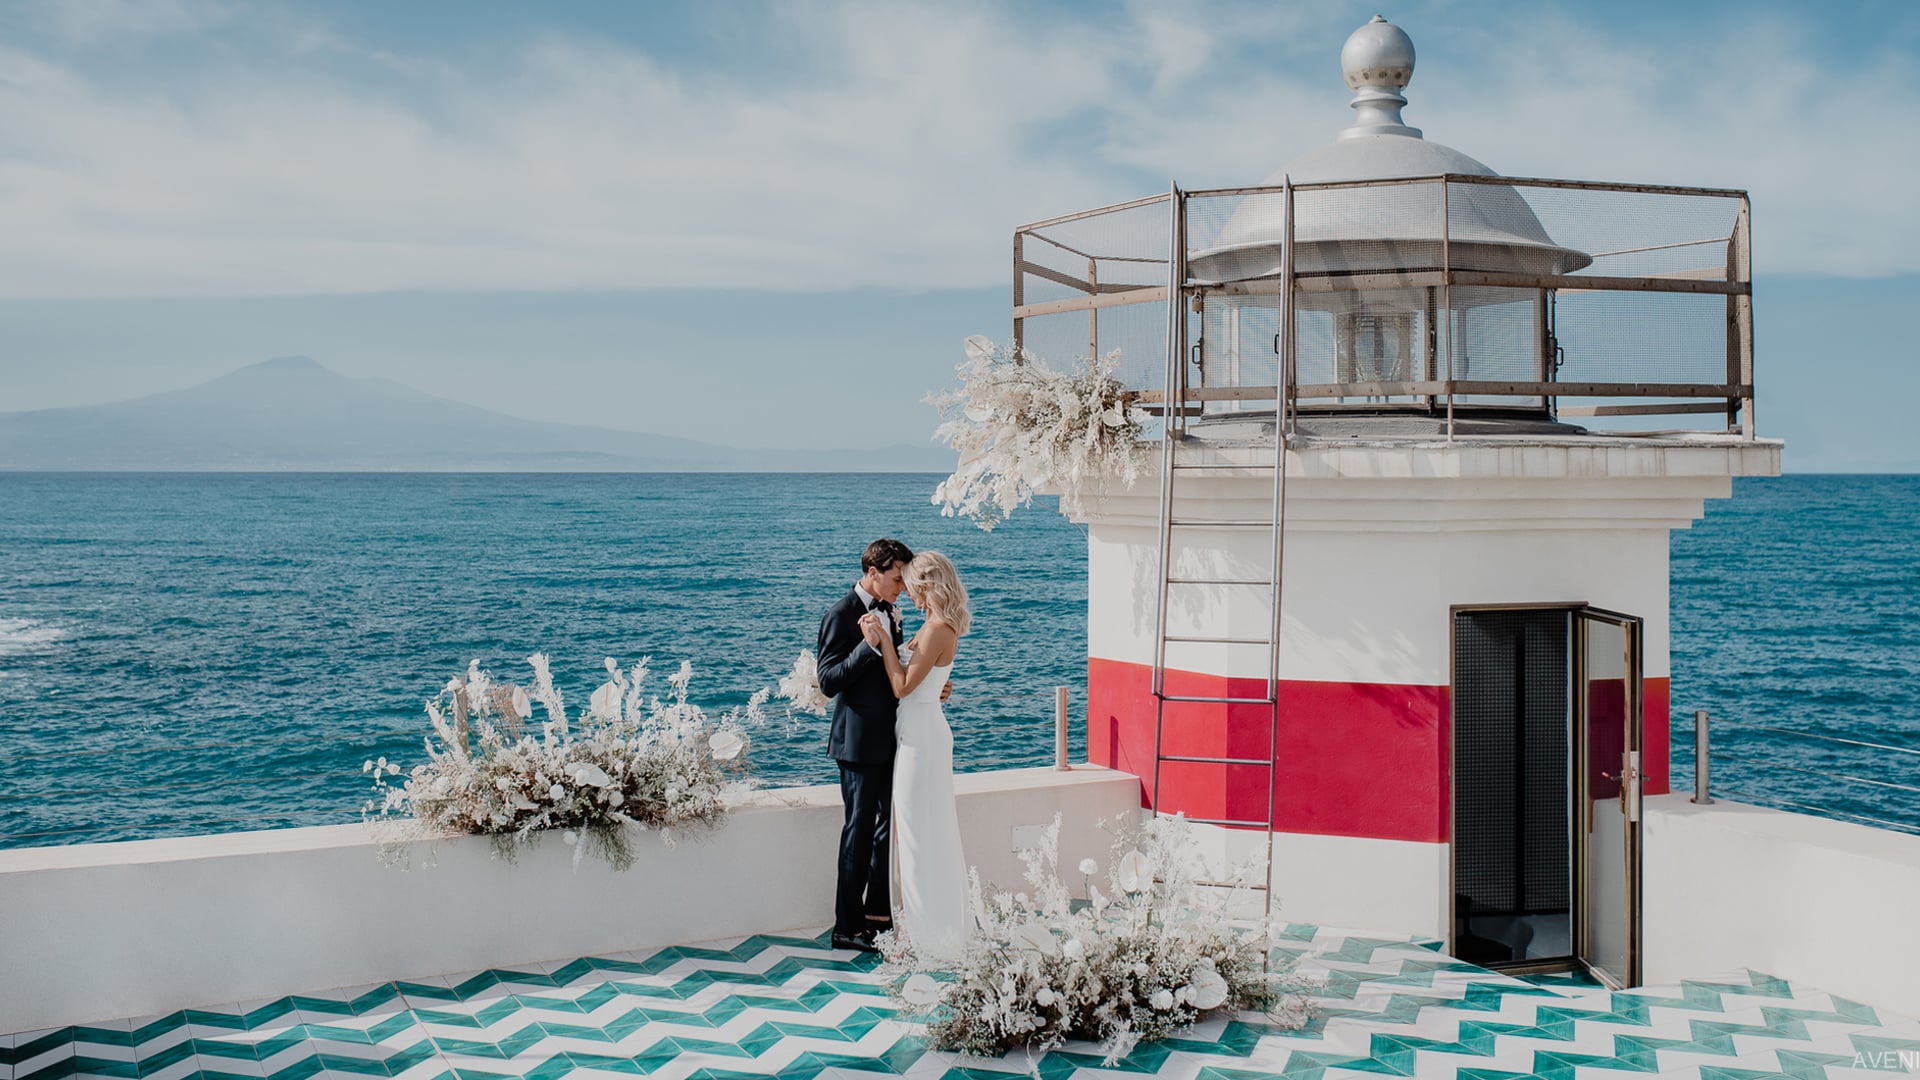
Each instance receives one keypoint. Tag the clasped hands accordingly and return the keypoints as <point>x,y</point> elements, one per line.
<point>878,633</point>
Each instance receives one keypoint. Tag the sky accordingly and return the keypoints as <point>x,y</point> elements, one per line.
<point>771,224</point>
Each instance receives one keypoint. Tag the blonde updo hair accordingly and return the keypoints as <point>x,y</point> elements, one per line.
<point>935,586</point>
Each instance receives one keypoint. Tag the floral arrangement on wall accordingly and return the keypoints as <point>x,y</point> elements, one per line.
<point>1019,426</point>
<point>631,762</point>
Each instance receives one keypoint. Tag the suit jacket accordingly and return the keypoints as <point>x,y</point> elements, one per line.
<point>856,677</point>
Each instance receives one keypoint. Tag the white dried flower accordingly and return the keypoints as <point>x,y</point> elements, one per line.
<point>920,990</point>
<point>725,745</point>
<point>1089,867</point>
<point>1161,1000</point>
<point>586,772</point>
<point>801,686</point>
<point>1209,989</point>
<point>606,701</point>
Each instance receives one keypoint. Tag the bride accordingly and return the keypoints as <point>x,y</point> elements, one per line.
<point>926,824</point>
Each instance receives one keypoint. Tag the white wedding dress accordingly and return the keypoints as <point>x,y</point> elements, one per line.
<point>934,910</point>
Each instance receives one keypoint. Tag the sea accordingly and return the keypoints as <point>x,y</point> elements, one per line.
<point>194,653</point>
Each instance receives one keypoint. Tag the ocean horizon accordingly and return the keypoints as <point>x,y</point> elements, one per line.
<point>188,652</point>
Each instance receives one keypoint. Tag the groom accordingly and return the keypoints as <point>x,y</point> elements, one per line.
<point>861,740</point>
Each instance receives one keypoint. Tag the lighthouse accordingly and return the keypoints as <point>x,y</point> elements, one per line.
<point>1390,619</point>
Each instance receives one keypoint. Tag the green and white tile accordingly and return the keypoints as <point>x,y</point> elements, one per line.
<point>790,1006</point>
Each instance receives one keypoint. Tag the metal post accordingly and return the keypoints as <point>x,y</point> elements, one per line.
<point>1060,728</point>
<point>1176,354</point>
<point>1700,758</point>
<point>1446,287</point>
<point>1093,313</point>
<point>1019,290</point>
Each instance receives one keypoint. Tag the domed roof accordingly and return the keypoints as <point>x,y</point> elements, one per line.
<point>1490,226</point>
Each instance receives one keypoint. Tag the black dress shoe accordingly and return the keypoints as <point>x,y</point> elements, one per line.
<point>856,942</point>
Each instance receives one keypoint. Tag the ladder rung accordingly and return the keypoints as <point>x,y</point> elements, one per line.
<point>1229,821</point>
<point>1217,640</point>
<point>1221,465</point>
<point>1220,523</point>
<point>1265,763</point>
<point>1184,700</point>
<point>1216,581</point>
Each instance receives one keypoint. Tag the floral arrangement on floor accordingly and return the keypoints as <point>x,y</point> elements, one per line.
<point>1018,425</point>
<point>631,761</point>
<point>1149,955</point>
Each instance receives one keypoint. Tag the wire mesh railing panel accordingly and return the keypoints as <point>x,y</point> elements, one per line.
<point>1628,337</point>
<point>1095,284</point>
<point>1369,229</point>
<point>1127,231</point>
<point>1235,236</point>
<point>1136,336</point>
<point>1633,231</point>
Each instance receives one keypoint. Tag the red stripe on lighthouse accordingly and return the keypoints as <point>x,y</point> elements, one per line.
<point>1354,759</point>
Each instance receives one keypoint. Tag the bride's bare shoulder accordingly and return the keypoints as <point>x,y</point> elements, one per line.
<point>942,638</point>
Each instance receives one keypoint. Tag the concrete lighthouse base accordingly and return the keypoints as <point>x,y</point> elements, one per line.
<point>1383,541</point>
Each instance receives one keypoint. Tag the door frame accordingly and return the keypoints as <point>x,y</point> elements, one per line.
<point>1633,805</point>
<point>1577,720</point>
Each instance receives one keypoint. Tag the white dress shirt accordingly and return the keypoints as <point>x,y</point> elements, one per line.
<point>892,617</point>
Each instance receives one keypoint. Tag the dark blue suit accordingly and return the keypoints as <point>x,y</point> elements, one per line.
<point>861,739</point>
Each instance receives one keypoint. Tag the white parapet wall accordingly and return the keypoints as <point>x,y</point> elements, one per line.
<point>101,931</point>
<point>1827,904</point>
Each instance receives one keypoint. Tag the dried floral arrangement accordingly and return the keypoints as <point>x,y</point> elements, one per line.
<point>630,762</point>
<point>800,688</point>
<point>1152,953</point>
<point>1018,425</point>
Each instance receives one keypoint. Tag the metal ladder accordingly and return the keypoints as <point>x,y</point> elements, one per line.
<point>1172,528</point>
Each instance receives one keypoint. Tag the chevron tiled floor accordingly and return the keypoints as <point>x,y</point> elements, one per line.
<point>790,1006</point>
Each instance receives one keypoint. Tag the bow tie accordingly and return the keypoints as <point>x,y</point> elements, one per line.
<point>882,605</point>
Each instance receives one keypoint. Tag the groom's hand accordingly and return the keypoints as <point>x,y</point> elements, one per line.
<point>946,692</point>
<point>870,629</point>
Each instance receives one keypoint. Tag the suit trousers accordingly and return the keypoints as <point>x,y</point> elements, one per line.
<point>863,897</point>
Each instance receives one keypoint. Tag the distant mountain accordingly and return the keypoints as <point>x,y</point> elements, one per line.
<point>294,414</point>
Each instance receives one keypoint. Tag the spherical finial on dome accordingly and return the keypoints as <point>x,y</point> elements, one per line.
<point>1378,62</point>
<point>1377,54</point>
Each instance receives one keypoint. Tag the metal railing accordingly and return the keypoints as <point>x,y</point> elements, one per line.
<point>1435,294</point>
<point>1904,815</point>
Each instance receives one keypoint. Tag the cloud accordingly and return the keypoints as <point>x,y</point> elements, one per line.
<point>897,151</point>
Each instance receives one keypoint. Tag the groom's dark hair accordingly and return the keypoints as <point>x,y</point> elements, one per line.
<point>883,554</point>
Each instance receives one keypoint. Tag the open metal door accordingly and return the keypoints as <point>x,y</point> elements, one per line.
<point>1607,704</point>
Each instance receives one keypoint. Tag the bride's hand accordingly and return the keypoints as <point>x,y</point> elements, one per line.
<point>870,629</point>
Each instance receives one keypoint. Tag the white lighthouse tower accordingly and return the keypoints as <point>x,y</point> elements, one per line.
<point>1392,617</point>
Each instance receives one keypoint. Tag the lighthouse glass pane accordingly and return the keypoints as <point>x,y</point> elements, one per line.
<point>1357,340</point>
<point>1497,336</point>
<point>1237,339</point>
<point>1607,847</point>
